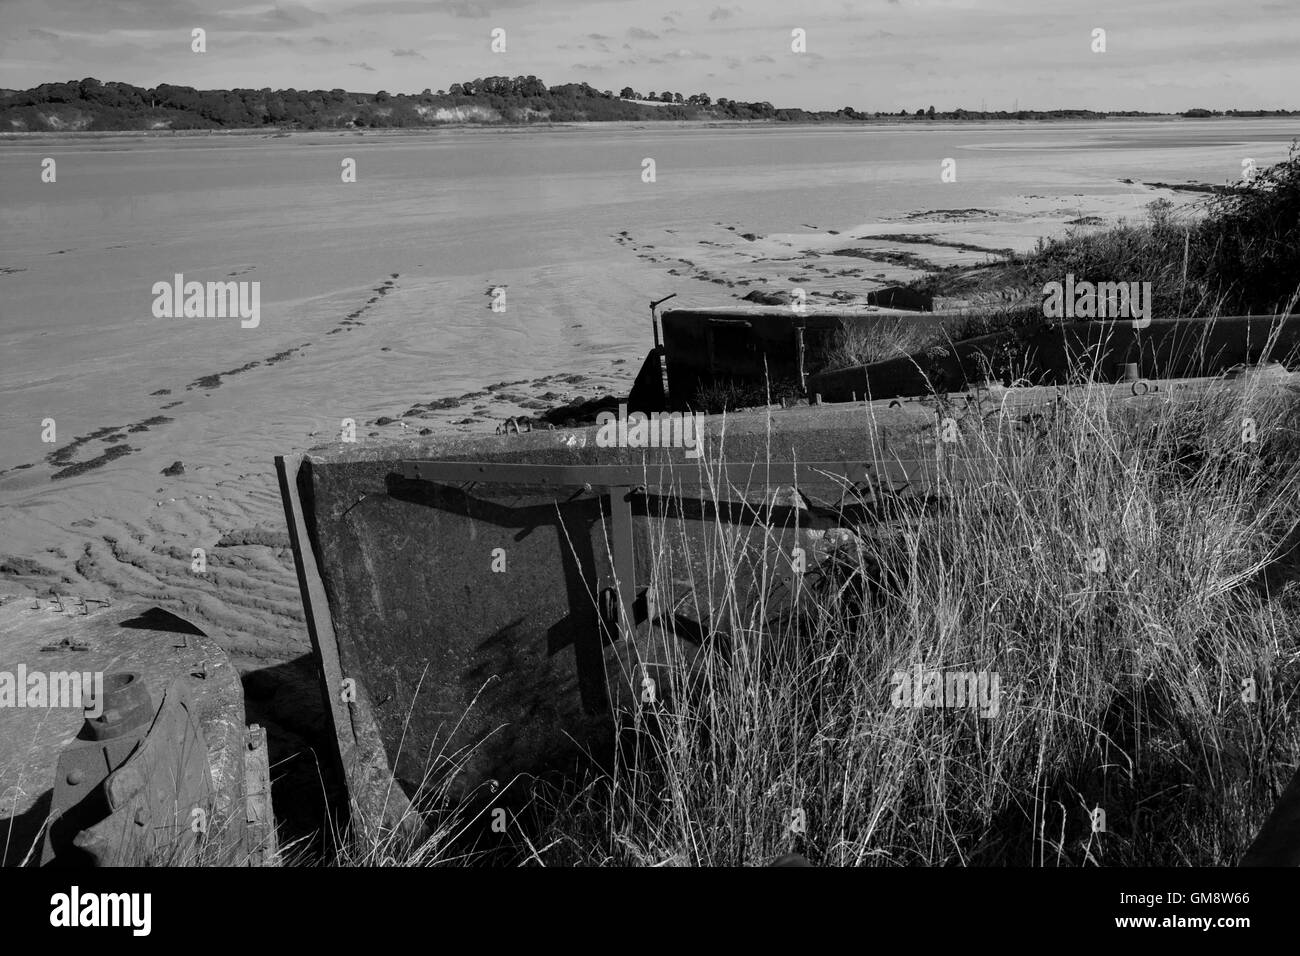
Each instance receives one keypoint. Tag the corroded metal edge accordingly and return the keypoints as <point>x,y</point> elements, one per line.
<point>360,750</point>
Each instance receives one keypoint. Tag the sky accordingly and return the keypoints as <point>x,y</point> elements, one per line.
<point>872,55</point>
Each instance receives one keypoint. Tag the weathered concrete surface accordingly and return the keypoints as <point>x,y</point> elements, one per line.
<point>1051,353</point>
<point>450,654</point>
<point>158,645</point>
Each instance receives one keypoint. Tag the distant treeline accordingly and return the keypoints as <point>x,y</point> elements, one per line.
<point>91,105</point>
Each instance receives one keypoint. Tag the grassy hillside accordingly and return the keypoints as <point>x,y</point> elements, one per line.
<point>89,105</point>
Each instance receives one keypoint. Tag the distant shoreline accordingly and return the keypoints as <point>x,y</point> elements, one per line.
<point>278,132</point>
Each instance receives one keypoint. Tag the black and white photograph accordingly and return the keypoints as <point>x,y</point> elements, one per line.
<point>484,436</point>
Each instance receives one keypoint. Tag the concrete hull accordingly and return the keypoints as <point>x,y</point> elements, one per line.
<point>500,626</point>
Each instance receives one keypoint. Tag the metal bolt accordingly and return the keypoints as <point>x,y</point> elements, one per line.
<point>140,816</point>
<point>75,777</point>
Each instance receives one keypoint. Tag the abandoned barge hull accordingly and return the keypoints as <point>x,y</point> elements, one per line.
<point>491,603</point>
<point>489,607</point>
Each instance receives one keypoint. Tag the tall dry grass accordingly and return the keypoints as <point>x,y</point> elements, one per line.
<point>1120,689</point>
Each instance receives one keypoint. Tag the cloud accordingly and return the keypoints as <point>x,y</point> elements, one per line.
<point>43,34</point>
<point>363,66</point>
<point>723,13</point>
<point>636,33</point>
<point>468,9</point>
<point>762,58</point>
<point>415,53</point>
<point>598,36</point>
<point>686,55</point>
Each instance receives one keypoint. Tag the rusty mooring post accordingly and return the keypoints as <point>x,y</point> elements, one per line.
<point>123,714</point>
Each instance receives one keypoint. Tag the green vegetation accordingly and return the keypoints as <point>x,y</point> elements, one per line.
<point>90,105</point>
